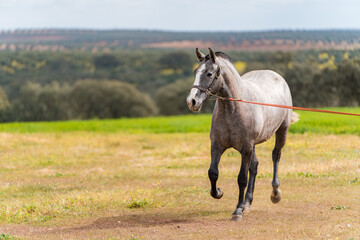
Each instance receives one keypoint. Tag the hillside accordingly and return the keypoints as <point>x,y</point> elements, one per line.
<point>106,40</point>
<point>83,74</point>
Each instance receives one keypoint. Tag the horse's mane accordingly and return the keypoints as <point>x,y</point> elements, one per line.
<point>221,55</point>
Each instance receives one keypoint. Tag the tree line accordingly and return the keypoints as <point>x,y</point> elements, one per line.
<point>86,99</point>
<point>59,86</point>
<point>120,39</point>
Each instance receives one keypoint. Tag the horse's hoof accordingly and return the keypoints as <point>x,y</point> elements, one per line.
<point>218,194</point>
<point>236,217</point>
<point>246,208</point>
<point>276,197</point>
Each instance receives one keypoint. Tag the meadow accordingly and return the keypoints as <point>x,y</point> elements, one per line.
<point>146,178</point>
<point>197,123</point>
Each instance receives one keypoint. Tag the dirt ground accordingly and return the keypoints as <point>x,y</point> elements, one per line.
<point>313,217</point>
<point>91,178</point>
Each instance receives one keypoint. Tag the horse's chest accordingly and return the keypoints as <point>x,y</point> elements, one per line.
<point>228,133</point>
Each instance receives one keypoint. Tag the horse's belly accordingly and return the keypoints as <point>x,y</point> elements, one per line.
<point>270,126</point>
<point>264,136</point>
<point>235,129</point>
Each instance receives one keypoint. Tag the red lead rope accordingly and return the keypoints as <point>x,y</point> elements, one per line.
<point>209,93</point>
<point>289,107</point>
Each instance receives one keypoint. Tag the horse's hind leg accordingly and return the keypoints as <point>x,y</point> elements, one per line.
<point>281,134</point>
<point>251,185</point>
<point>216,152</point>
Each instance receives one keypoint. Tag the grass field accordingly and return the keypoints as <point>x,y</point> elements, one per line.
<point>310,122</point>
<point>116,179</point>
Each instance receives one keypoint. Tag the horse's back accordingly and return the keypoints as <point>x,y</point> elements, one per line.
<point>268,84</point>
<point>268,87</point>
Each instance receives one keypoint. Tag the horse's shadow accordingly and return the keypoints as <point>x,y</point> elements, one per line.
<point>140,219</point>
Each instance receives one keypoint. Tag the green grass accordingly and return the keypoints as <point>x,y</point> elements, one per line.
<point>174,124</point>
<point>338,207</point>
<point>137,204</point>
<point>4,236</point>
<point>328,123</point>
<point>195,123</point>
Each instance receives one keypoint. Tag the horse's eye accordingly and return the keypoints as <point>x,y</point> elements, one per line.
<point>209,74</point>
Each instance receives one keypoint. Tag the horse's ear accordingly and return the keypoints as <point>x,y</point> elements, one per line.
<point>200,56</point>
<point>212,55</point>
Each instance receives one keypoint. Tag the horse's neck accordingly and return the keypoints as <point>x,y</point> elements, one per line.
<point>233,86</point>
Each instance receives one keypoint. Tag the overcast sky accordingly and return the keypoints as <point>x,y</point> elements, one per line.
<point>188,15</point>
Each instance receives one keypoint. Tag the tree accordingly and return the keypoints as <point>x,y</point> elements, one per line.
<point>4,106</point>
<point>53,102</point>
<point>4,102</point>
<point>41,103</point>
<point>176,60</point>
<point>338,86</point>
<point>300,80</point>
<point>109,99</point>
<point>26,107</point>
<point>348,76</point>
<point>106,61</point>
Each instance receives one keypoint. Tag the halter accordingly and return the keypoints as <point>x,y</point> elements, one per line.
<point>208,90</point>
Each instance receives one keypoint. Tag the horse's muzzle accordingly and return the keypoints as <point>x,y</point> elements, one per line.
<point>193,104</point>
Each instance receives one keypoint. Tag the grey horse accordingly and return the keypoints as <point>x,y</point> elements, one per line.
<point>241,125</point>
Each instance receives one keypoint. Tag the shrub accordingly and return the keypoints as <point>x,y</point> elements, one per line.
<point>38,103</point>
<point>109,99</point>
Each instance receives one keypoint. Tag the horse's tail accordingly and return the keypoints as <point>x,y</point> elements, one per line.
<point>294,117</point>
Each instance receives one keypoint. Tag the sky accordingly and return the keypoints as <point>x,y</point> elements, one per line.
<point>181,15</point>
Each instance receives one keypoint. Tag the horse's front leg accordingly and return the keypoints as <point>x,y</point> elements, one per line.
<point>246,155</point>
<point>251,185</point>
<point>216,152</point>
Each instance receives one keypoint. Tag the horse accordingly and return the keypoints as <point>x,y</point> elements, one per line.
<point>240,125</point>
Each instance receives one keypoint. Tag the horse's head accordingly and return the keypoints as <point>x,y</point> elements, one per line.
<point>207,80</point>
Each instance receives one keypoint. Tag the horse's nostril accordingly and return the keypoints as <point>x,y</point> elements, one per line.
<point>193,102</point>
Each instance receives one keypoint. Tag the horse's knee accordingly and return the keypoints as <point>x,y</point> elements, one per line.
<point>253,167</point>
<point>276,154</point>
<point>213,174</point>
<point>242,181</point>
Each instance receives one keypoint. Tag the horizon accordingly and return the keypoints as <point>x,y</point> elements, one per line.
<point>178,31</point>
<point>180,15</point>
